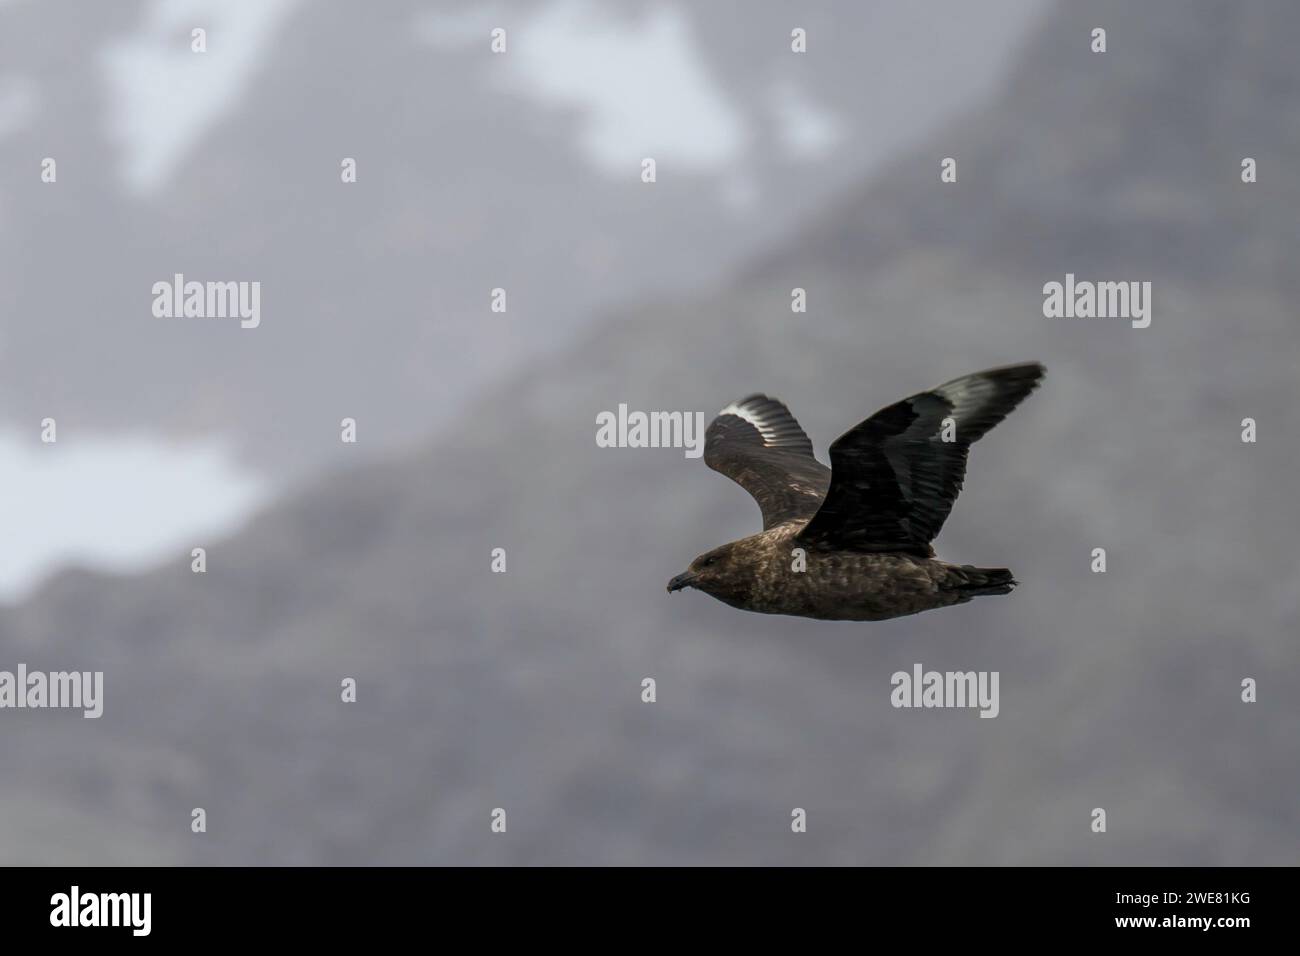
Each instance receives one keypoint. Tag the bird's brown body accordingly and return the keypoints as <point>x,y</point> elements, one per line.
<point>765,573</point>
<point>852,543</point>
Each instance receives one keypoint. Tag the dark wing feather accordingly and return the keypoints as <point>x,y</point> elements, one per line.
<point>757,443</point>
<point>894,479</point>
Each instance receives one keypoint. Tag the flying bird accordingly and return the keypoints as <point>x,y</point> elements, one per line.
<point>852,542</point>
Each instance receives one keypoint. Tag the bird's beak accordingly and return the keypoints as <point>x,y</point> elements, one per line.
<point>684,580</point>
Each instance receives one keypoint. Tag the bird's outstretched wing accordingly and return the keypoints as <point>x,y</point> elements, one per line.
<point>757,443</point>
<point>894,478</point>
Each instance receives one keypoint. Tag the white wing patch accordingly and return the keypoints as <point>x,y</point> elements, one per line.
<point>966,394</point>
<point>766,429</point>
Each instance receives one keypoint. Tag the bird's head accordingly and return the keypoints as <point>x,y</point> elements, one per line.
<point>714,572</point>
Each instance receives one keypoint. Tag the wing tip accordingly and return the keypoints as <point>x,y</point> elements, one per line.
<point>771,419</point>
<point>1029,370</point>
<point>1006,384</point>
<point>756,398</point>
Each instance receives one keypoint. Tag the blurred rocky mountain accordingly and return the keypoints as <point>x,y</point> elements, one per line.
<point>376,295</point>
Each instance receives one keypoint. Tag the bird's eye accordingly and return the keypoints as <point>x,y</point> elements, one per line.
<point>710,560</point>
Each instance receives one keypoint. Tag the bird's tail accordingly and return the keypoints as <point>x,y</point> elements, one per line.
<point>970,582</point>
